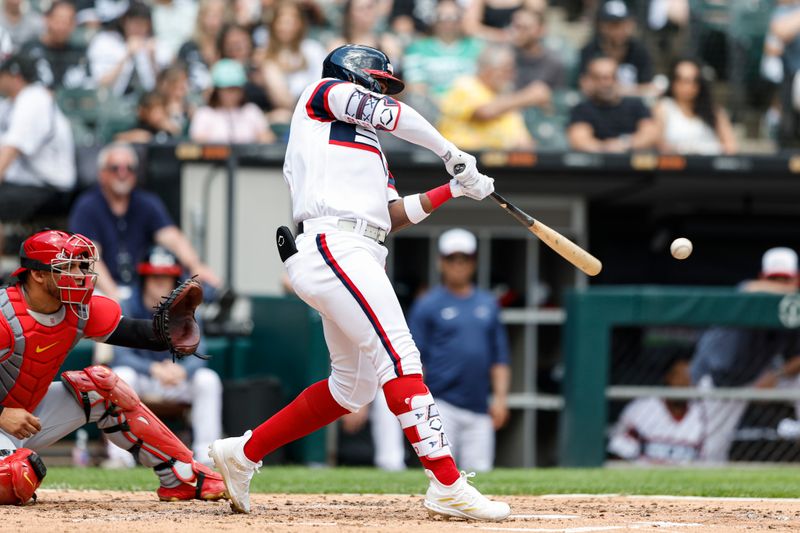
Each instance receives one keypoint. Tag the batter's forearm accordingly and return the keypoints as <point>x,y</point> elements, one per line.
<point>415,208</point>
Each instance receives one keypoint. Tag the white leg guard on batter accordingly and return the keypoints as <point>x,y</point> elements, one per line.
<point>424,417</point>
<point>130,425</point>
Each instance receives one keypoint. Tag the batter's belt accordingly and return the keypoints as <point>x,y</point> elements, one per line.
<point>360,227</point>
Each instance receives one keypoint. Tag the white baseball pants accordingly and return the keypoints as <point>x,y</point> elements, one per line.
<point>342,275</point>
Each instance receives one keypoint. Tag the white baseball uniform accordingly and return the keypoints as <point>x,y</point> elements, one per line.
<point>648,432</point>
<point>336,171</point>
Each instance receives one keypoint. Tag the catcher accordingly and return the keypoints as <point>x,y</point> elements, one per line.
<point>42,317</point>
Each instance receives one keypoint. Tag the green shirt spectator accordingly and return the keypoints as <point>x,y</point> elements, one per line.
<point>432,64</point>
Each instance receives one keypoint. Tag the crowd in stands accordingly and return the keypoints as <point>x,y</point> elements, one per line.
<point>676,76</point>
<point>662,71</point>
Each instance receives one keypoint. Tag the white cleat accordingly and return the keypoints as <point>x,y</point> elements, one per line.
<point>462,500</point>
<point>236,469</point>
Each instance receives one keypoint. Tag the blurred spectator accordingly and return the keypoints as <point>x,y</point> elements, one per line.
<point>362,24</point>
<point>201,51</point>
<point>432,64</point>
<point>124,221</point>
<point>784,39</point>
<point>688,121</point>
<point>228,118</point>
<point>464,350</point>
<point>491,19</point>
<point>173,85</point>
<point>535,63</point>
<point>155,377</point>
<point>735,357</point>
<point>173,23</point>
<point>291,61</point>
<point>153,122</point>
<point>614,38</point>
<point>60,62</point>
<point>606,121</point>
<point>37,154</point>
<point>236,43</point>
<point>96,13</point>
<point>661,431</point>
<point>20,21</point>
<point>409,18</point>
<point>481,111</point>
<point>124,59</point>
<point>668,22</point>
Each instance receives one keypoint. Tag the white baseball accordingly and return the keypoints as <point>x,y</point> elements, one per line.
<point>681,248</point>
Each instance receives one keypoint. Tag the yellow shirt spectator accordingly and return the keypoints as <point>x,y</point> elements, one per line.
<point>504,132</point>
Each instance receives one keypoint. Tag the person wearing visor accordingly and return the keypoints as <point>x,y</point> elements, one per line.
<point>42,316</point>
<point>345,201</point>
<point>227,119</point>
<point>153,374</point>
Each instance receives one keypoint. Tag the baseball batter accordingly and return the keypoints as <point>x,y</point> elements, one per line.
<point>41,318</point>
<point>345,202</point>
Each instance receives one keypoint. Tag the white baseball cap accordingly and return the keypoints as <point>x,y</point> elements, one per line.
<point>779,261</point>
<point>457,241</point>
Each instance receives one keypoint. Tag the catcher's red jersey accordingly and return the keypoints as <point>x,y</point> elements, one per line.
<point>32,352</point>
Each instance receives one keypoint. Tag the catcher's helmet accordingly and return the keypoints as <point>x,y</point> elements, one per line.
<point>159,262</point>
<point>57,252</point>
<point>363,65</point>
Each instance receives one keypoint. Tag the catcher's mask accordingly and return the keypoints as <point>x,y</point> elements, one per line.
<point>59,253</point>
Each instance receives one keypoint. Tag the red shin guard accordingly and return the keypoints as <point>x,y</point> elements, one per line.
<point>312,409</point>
<point>399,393</point>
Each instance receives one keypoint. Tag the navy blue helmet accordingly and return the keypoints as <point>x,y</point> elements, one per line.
<point>363,65</point>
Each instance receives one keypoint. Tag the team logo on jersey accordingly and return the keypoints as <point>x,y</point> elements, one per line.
<point>789,311</point>
<point>449,313</point>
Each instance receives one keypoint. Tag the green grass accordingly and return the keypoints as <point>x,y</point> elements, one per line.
<point>761,482</point>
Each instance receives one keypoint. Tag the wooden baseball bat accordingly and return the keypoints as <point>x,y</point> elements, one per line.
<point>567,249</point>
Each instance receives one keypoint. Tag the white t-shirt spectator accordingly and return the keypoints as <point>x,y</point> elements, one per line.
<point>688,135</point>
<point>106,51</point>
<point>33,124</point>
<point>228,126</point>
<point>173,24</point>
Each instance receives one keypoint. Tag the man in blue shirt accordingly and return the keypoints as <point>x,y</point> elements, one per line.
<point>464,352</point>
<point>124,221</point>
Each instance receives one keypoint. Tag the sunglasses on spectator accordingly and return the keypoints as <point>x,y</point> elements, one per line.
<point>118,169</point>
<point>458,257</point>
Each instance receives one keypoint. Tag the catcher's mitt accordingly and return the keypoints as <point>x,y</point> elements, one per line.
<point>174,322</point>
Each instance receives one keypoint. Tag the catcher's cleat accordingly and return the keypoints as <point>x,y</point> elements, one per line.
<point>236,469</point>
<point>208,486</point>
<point>462,500</point>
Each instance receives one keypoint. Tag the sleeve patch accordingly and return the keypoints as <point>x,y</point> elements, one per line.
<point>317,106</point>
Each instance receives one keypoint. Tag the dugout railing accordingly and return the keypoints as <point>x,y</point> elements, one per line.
<point>593,315</point>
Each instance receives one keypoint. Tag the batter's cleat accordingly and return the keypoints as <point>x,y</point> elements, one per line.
<point>209,486</point>
<point>236,469</point>
<point>462,500</point>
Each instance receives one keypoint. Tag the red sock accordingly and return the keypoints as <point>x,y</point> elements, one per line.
<point>396,392</point>
<point>312,409</point>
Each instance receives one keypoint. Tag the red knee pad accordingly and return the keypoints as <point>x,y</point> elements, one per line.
<point>21,473</point>
<point>399,392</point>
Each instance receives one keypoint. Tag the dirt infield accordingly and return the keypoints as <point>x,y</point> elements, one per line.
<point>90,511</point>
